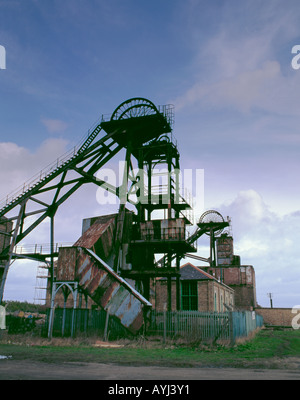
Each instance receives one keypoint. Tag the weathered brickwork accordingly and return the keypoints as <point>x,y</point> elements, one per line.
<point>276,316</point>
<point>211,296</point>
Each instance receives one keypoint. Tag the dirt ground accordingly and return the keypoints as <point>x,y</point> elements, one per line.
<point>11,369</point>
<point>30,370</point>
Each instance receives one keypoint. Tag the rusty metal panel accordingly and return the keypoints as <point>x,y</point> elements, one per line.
<point>173,229</point>
<point>109,290</point>
<point>66,264</point>
<point>99,236</point>
<point>165,229</point>
<point>5,227</point>
<point>147,230</point>
<point>225,250</point>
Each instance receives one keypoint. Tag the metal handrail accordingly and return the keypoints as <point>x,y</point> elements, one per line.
<point>39,248</point>
<point>162,234</point>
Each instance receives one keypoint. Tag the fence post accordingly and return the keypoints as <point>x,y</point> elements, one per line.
<point>165,323</point>
<point>106,326</point>
<point>231,328</point>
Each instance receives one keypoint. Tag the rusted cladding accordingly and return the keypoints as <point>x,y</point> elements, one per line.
<point>99,236</point>
<point>166,229</point>
<point>173,229</point>
<point>6,228</point>
<point>66,264</point>
<point>147,230</point>
<point>109,290</point>
<point>130,313</point>
<point>225,250</point>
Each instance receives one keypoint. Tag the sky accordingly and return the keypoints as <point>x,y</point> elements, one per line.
<point>226,66</point>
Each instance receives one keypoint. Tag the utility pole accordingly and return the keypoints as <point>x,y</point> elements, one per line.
<point>270,295</point>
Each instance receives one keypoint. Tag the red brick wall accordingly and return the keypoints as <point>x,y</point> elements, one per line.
<point>276,316</point>
<point>206,293</point>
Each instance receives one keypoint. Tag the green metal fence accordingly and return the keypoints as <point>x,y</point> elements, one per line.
<point>244,322</point>
<point>194,325</point>
<point>204,325</point>
<point>68,322</point>
<point>190,324</point>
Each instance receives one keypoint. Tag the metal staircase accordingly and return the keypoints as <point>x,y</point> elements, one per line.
<point>47,174</point>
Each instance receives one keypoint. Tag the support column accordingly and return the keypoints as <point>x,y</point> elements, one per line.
<point>75,293</point>
<point>178,297</point>
<point>178,302</point>
<point>52,310</point>
<point>52,249</point>
<point>169,281</point>
<point>11,248</point>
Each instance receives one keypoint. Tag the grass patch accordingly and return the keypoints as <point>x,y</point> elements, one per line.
<point>268,349</point>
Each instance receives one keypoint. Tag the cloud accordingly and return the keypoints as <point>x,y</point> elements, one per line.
<point>246,64</point>
<point>55,125</point>
<point>21,281</point>
<point>18,164</point>
<point>264,88</point>
<point>269,242</point>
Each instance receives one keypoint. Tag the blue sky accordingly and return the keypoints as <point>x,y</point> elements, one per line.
<point>225,65</point>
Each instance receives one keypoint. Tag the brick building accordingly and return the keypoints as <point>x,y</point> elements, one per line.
<point>241,278</point>
<point>229,284</point>
<point>200,291</point>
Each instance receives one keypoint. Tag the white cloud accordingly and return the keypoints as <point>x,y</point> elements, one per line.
<point>246,64</point>
<point>264,88</point>
<point>269,242</point>
<point>18,164</point>
<point>54,125</point>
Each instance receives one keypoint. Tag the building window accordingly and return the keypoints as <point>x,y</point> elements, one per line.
<point>189,295</point>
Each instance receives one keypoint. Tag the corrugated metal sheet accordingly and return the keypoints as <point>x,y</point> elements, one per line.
<point>66,264</point>
<point>103,285</point>
<point>99,236</point>
<point>108,289</point>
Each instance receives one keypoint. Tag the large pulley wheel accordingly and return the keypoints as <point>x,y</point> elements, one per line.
<point>134,108</point>
<point>212,217</point>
